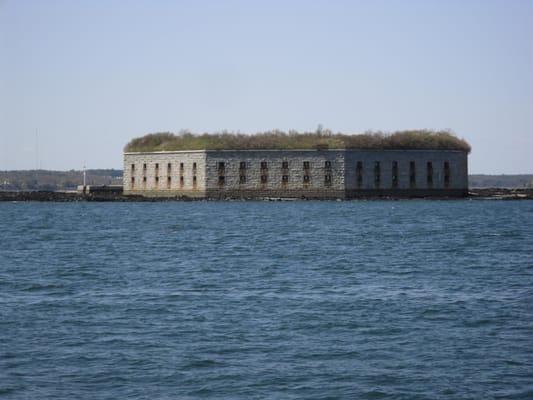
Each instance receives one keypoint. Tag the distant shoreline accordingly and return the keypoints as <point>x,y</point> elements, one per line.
<point>49,181</point>
<point>62,196</point>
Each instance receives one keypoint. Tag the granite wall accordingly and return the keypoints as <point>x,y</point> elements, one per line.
<point>159,174</point>
<point>275,173</point>
<point>297,173</point>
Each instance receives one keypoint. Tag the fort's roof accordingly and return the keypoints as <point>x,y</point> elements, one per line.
<point>321,139</point>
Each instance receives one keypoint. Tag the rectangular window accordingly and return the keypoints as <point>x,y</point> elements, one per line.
<point>132,167</point>
<point>181,166</point>
<point>181,181</point>
<point>221,166</point>
<point>285,179</point>
<point>306,164</point>
<point>242,172</point>
<point>327,164</point>
<point>284,165</point>
<point>359,174</point>
<point>221,180</point>
<point>264,165</point>
<point>156,179</point>
<point>169,167</point>
<point>412,174</point>
<point>327,179</point>
<point>156,165</point>
<point>194,166</point>
<point>132,181</point>
<point>446,174</point>
<point>144,178</point>
<point>194,181</point>
<point>169,182</point>
<point>264,178</point>
<point>377,174</point>
<point>395,174</point>
<point>307,179</point>
<point>144,166</point>
<point>429,167</point>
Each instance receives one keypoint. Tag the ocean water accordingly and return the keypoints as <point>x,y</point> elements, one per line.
<point>267,300</point>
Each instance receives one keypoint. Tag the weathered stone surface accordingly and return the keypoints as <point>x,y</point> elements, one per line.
<point>187,181</point>
<point>297,173</point>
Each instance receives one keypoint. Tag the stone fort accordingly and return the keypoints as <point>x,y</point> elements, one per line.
<point>312,173</point>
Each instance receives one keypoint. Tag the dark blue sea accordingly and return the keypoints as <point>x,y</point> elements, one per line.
<point>267,300</point>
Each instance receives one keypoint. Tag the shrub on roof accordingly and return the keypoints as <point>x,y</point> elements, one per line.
<point>321,139</point>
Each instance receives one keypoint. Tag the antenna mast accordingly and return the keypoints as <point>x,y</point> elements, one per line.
<point>36,149</point>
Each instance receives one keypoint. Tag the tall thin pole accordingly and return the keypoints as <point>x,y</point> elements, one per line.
<point>36,149</point>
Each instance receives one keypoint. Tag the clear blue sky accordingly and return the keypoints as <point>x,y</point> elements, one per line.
<point>90,75</point>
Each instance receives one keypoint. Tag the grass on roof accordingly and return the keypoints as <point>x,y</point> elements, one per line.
<point>321,139</point>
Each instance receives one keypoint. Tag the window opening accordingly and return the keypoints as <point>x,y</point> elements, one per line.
<point>429,167</point>
<point>412,174</point>
<point>395,174</point>
<point>359,174</point>
<point>377,174</point>
<point>446,174</point>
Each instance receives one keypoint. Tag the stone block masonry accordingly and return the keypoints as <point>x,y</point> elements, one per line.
<point>320,174</point>
<point>160,174</point>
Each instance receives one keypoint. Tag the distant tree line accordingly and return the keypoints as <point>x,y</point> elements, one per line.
<point>57,180</point>
<point>319,139</point>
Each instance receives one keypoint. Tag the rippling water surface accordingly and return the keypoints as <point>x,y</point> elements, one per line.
<point>255,300</point>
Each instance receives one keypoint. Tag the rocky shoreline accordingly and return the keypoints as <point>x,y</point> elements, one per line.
<point>42,196</point>
<point>501,194</point>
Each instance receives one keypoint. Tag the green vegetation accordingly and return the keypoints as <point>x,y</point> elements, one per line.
<point>321,139</point>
